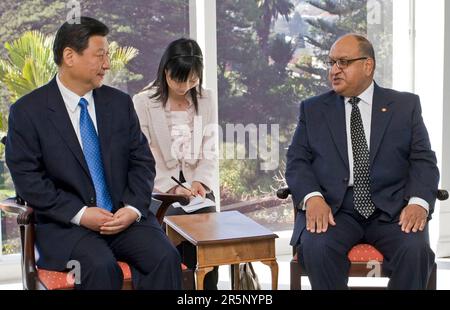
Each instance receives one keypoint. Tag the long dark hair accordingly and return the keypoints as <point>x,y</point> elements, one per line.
<point>181,59</point>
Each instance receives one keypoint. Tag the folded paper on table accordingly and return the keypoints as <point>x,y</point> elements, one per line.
<point>196,204</point>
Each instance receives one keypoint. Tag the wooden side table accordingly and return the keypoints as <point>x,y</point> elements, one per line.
<point>225,238</point>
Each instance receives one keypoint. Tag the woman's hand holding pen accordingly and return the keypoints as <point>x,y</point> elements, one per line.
<point>197,189</point>
<point>179,190</point>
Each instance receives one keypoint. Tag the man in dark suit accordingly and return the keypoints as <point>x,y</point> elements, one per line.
<point>361,162</point>
<point>78,157</point>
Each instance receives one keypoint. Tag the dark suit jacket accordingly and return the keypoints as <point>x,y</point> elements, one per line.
<point>50,173</point>
<point>402,164</point>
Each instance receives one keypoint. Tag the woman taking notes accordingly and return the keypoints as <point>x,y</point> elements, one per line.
<point>179,119</point>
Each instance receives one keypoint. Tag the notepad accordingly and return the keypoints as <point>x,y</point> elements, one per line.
<point>196,204</point>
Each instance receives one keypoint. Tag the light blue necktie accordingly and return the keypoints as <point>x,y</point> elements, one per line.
<point>93,156</point>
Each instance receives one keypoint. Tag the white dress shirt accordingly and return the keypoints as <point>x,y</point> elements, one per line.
<point>365,108</point>
<point>71,101</point>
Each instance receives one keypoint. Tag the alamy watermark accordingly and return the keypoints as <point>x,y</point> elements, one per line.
<point>74,275</point>
<point>374,12</point>
<point>74,14</point>
<point>375,269</point>
<point>239,142</point>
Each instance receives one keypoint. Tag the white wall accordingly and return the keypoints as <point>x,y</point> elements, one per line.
<point>428,79</point>
<point>418,66</point>
<point>443,249</point>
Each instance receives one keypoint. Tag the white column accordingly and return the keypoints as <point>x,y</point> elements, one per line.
<point>403,31</point>
<point>202,26</point>
<point>1,237</point>
<point>443,249</point>
<point>429,80</point>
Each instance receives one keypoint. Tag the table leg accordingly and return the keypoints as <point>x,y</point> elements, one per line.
<point>274,271</point>
<point>232,276</point>
<point>200,274</point>
<point>235,277</point>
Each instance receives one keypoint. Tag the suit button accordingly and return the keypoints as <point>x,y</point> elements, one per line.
<point>92,200</point>
<point>345,180</point>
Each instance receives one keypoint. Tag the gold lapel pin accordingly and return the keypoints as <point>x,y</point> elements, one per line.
<point>383,110</point>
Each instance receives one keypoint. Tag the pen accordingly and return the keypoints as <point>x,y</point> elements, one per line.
<point>181,184</point>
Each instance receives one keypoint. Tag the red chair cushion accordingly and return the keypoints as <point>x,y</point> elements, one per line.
<point>361,253</point>
<point>364,253</point>
<point>57,280</point>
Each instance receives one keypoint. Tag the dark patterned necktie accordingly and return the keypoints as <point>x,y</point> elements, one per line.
<point>361,184</point>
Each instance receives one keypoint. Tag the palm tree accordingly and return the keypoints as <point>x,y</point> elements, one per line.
<point>271,9</point>
<point>30,64</point>
<point>119,57</point>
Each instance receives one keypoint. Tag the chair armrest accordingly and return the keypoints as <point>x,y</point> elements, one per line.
<point>171,198</point>
<point>166,201</point>
<point>26,227</point>
<point>442,194</point>
<point>24,213</point>
<point>10,205</point>
<point>283,192</point>
<point>26,217</point>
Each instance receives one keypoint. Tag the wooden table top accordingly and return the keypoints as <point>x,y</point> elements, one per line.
<point>216,228</point>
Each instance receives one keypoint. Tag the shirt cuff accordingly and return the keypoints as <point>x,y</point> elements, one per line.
<point>135,210</point>
<point>77,218</point>
<point>420,202</point>
<point>313,194</point>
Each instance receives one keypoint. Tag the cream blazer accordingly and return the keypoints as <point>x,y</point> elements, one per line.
<point>203,164</point>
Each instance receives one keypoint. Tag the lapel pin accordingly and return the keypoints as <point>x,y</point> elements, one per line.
<point>383,110</point>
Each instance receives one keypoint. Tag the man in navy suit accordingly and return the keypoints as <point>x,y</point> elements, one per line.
<point>362,163</point>
<point>78,157</point>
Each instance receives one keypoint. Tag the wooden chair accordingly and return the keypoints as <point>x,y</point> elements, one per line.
<point>361,256</point>
<point>40,279</point>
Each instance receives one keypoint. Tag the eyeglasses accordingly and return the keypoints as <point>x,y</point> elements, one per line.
<point>342,63</point>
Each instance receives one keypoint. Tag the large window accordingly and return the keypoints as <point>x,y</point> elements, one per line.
<point>147,26</point>
<point>271,56</point>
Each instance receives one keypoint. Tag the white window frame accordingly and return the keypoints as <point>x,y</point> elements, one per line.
<point>421,64</point>
<point>443,248</point>
<point>428,83</point>
<point>202,27</point>
<point>403,41</point>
